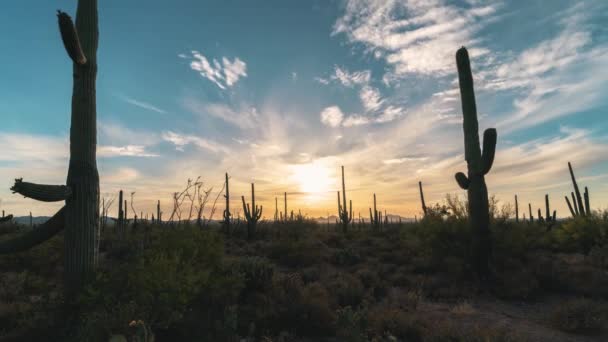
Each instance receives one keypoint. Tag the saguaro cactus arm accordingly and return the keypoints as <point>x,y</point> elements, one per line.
<point>489,150</point>
<point>35,237</point>
<point>462,180</point>
<point>6,218</point>
<point>70,39</point>
<point>570,206</point>
<point>39,192</point>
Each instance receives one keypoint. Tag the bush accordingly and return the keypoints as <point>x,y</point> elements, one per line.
<point>257,273</point>
<point>158,286</point>
<point>347,289</point>
<point>580,316</point>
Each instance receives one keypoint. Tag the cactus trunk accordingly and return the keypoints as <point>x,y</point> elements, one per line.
<point>478,165</point>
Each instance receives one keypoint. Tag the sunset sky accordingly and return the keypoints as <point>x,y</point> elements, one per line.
<point>281,93</point>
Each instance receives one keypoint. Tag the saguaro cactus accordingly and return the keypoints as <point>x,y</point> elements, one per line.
<point>227,214</point>
<point>345,215</point>
<point>579,208</point>
<point>375,217</point>
<point>422,198</point>
<point>80,215</point>
<point>516,210</point>
<point>252,214</point>
<point>478,165</point>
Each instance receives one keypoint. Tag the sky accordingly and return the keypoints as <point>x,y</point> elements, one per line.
<point>284,92</point>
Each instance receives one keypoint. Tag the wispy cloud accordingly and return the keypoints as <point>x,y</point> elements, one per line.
<point>224,74</point>
<point>421,43</point>
<point>142,104</point>
<point>182,140</point>
<point>124,151</point>
<point>243,117</point>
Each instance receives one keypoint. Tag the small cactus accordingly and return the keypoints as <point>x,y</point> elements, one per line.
<point>577,208</point>
<point>346,216</point>
<point>252,214</point>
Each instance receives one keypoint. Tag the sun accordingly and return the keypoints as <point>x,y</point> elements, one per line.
<point>312,178</point>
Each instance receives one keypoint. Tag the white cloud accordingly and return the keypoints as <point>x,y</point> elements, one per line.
<point>332,116</point>
<point>225,74</point>
<point>370,98</point>
<point>181,140</point>
<point>142,104</point>
<point>124,151</point>
<point>414,36</point>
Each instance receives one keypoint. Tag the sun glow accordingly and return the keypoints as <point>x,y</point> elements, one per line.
<point>313,178</point>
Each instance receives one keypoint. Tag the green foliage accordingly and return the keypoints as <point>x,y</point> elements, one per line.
<point>257,273</point>
<point>351,324</point>
<point>159,286</point>
<point>582,233</point>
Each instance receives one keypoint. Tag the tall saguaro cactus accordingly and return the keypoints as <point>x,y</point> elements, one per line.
<point>346,215</point>
<point>227,214</point>
<point>252,214</point>
<point>479,164</point>
<point>80,215</point>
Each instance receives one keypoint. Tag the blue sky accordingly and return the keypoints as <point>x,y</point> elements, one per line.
<point>284,92</point>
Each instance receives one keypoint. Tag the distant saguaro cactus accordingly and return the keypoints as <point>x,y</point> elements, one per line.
<point>579,209</point>
<point>478,164</point>
<point>252,214</point>
<point>227,214</point>
<point>345,215</point>
<point>80,215</point>
<point>422,198</point>
<point>375,217</point>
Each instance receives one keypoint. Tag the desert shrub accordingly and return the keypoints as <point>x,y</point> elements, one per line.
<point>346,257</point>
<point>158,286</point>
<point>351,324</point>
<point>598,256</point>
<point>368,277</point>
<point>257,273</point>
<point>347,290</point>
<point>297,254</point>
<point>580,234</point>
<point>389,321</point>
<point>580,316</point>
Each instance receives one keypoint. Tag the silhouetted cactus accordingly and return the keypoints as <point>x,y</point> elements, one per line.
<point>548,220</point>
<point>375,218</point>
<point>252,214</point>
<point>516,210</point>
<point>159,213</point>
<point>577,208</point>
<point>530,212</point>
<point>422,198</point>
<point>80,215</point>
<point>346,216</point>
<point>227,215</point>
<point>479,164</point>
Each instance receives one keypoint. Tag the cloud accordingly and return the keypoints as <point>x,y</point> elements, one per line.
<point>417,37</point>
<point>346,78</point>
<point>370,98</point>
<point>142,104</point>
<point>225,74</point>
<point>245,117</point>
<point>22,147</point>
<point>124,151</point>
<point>181,140</point>
<point>332,116</point>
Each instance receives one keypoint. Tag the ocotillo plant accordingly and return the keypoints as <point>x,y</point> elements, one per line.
<point>422,198</point>
<point>478,165</point>
<point>346,216</point>
<point>227,215</point>
<point>252,214</point>
<point>80,215</point>
<point>579,208</point>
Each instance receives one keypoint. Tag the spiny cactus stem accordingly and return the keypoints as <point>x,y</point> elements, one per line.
<point>70,39</point>
<point>579,200</point>
<point>36,236</point>
<point>422,198</point>
<point>44,193</point>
